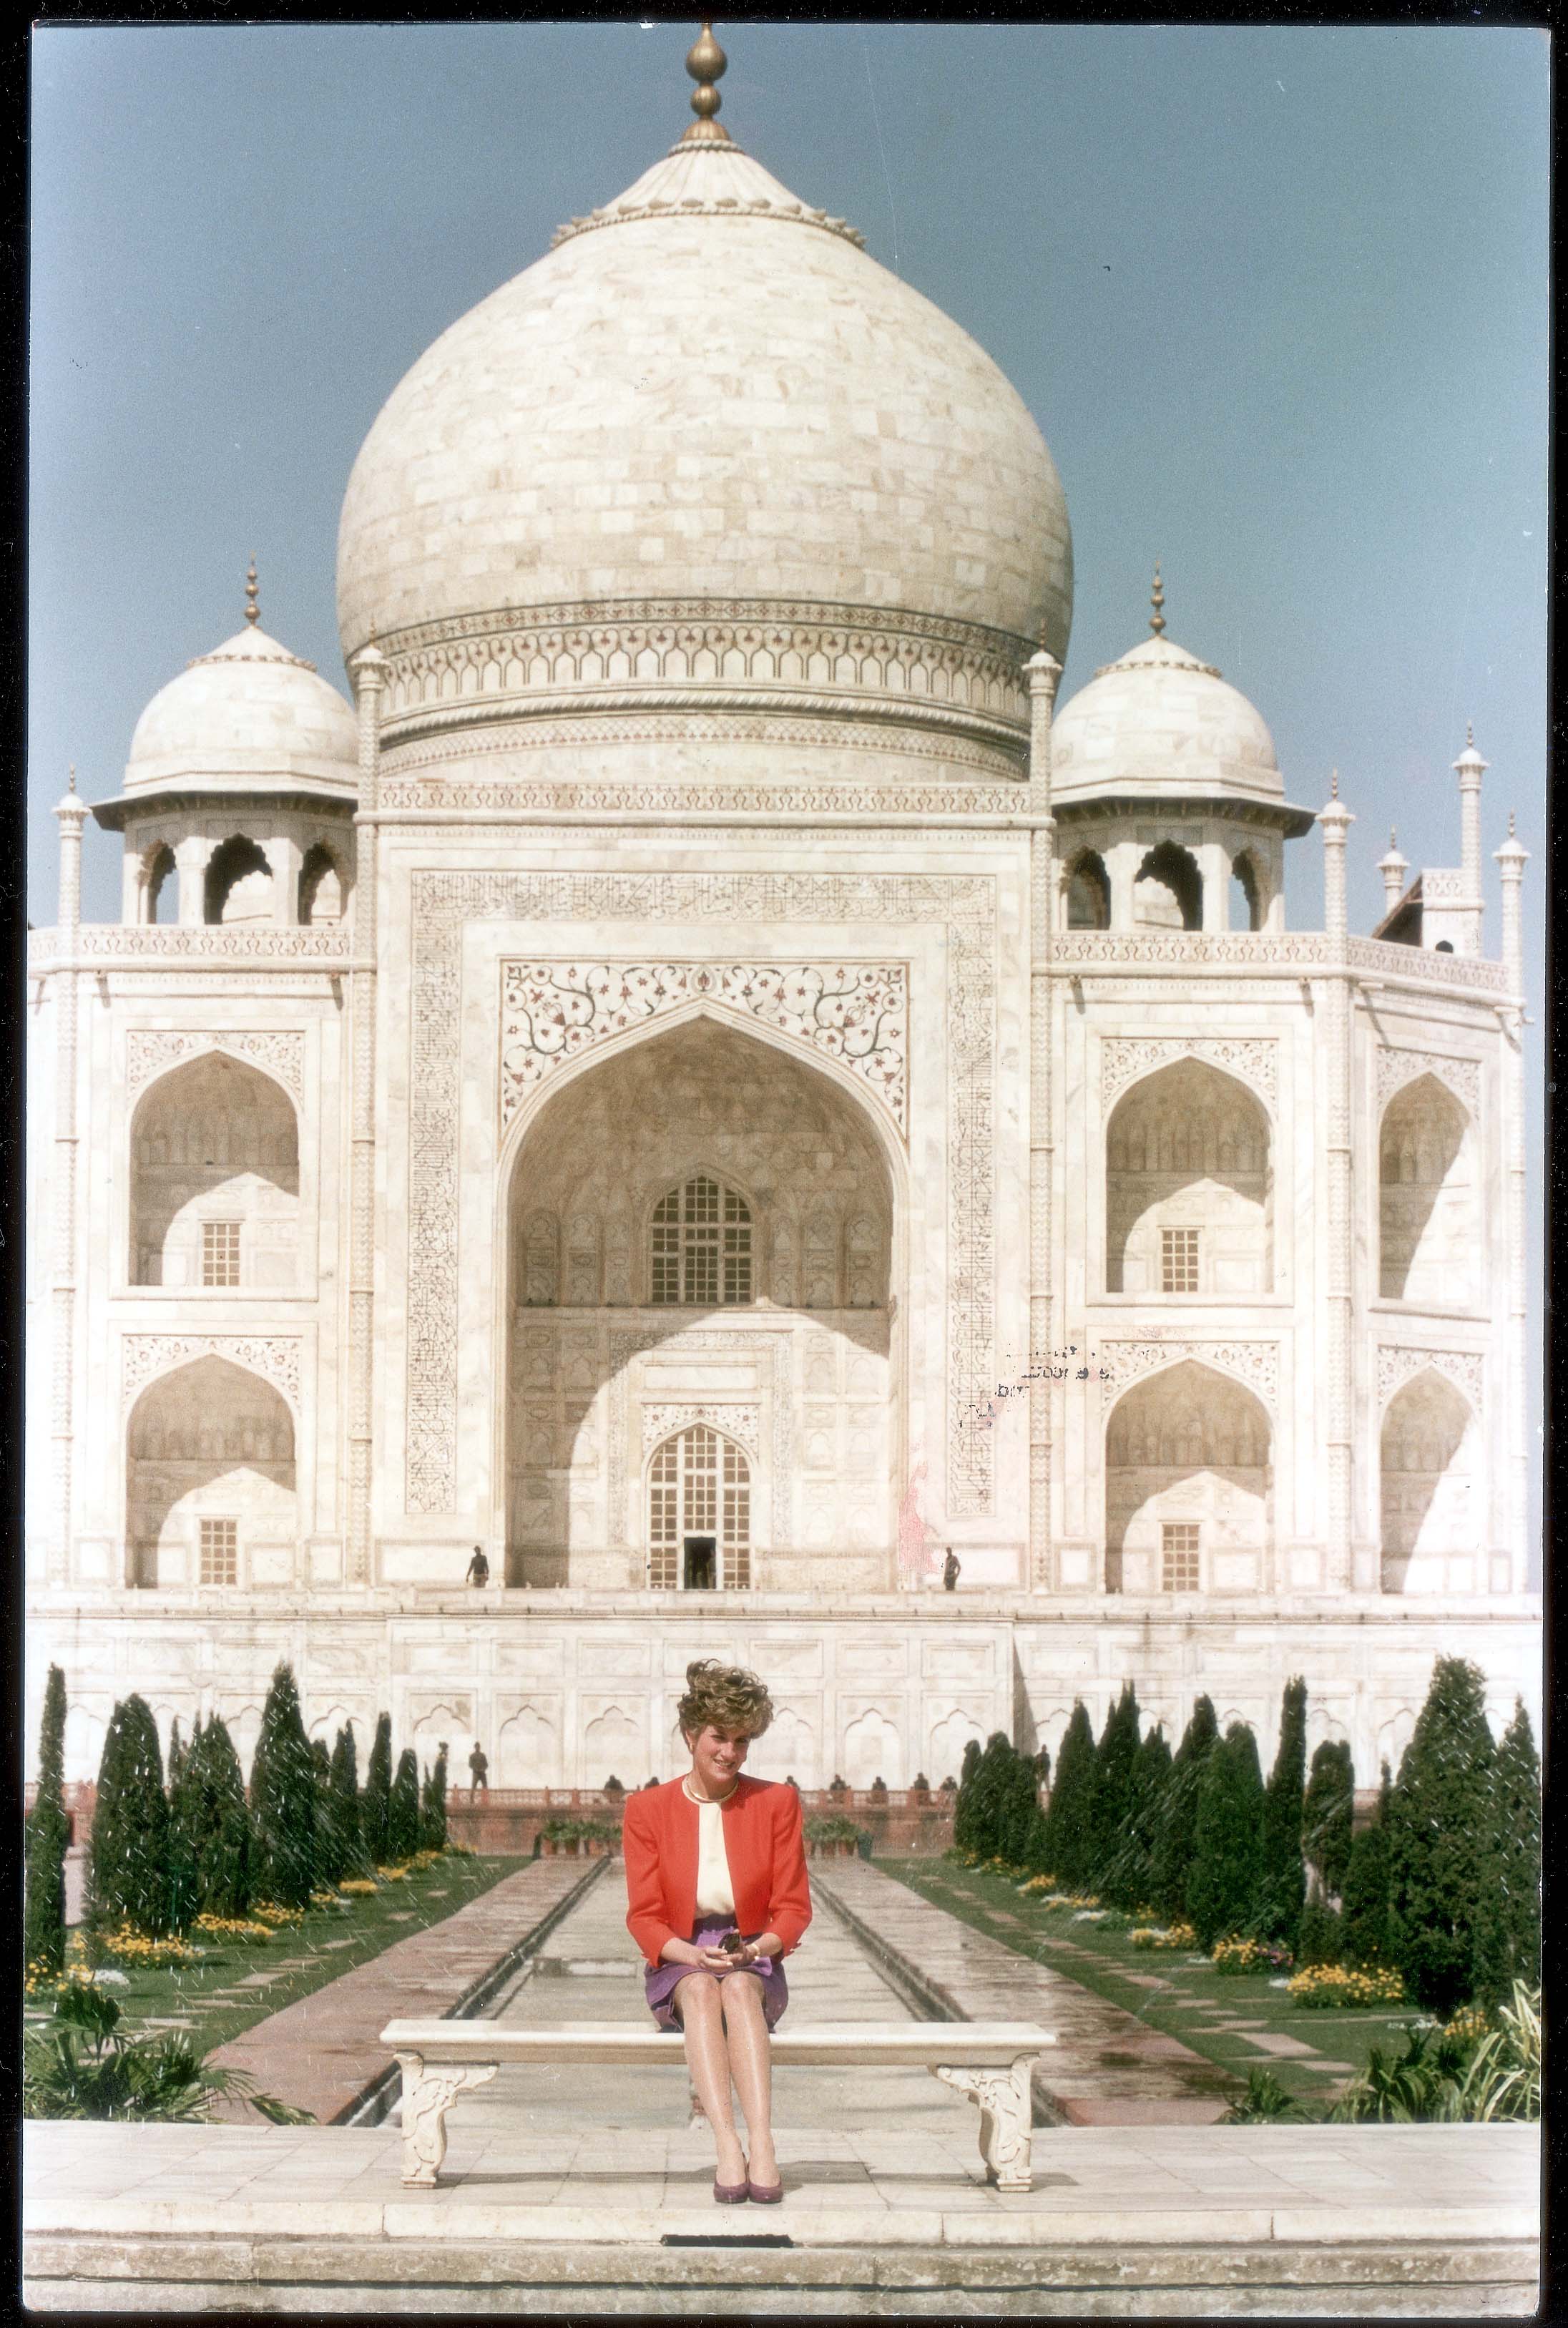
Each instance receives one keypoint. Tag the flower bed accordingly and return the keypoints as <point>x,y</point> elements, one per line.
<point>1164,1936</point>
<point>1338,1985</point>
<point>125,1945</point>
<point>1236,1957</point>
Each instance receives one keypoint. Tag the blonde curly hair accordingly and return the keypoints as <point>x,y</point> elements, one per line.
<point>723,1697</point>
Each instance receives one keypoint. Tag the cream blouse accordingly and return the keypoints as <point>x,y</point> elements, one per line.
<point>715,1893</point>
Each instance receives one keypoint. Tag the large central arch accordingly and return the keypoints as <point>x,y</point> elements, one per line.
<point>700,1227</point>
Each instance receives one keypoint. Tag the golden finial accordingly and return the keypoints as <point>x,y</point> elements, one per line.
<point>252,610</point>
<point>707,63</point>
<point>1156,600</point>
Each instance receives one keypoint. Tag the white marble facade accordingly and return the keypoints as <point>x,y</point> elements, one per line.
<point>658,1086</point>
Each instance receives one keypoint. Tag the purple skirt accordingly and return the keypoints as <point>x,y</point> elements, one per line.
<point>660,1981</point>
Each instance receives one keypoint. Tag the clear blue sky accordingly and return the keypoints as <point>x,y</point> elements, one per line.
<point>1278,299</point>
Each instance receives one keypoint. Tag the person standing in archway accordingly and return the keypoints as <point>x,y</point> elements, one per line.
<point>478,1567</point>
<point>717,1897</point>
<point>951,1572</point>
<point>478,1770</point>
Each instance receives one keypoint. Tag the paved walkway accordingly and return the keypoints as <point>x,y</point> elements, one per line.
<point>324,2051</point>
<point>1107,2067</point>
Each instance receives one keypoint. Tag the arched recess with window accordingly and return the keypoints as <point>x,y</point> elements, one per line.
<point>238,886</point>
<point>210,1501</point>
<point>1167,890</point>
<point>1189,1485</point>
<point>215,1179</point>
<point>1188,1187</point>
<point>1428,1231</point>
<point>323,886</point>
<point>699,1490</point>
<point>701,1216</point>
<point>1434,1521</point>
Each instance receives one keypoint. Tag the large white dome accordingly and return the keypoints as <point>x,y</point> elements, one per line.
<point>705,392</point>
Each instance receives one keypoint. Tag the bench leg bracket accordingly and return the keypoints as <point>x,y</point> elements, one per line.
<point>1003,2096</point>
<point>428,2096</point>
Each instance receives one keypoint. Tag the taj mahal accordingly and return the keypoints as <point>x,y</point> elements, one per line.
<point>701,1078</point>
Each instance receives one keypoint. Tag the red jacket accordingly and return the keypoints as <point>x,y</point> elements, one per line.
<point>762,1842</point>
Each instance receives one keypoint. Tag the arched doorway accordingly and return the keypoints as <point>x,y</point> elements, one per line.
<point>1426,1212</point>
<point>700,1232</point>
<point>1188,1188</point>
<point>215,1179</point>
<point>1189,1485</point>
<point>699,1514</point>
<point>210,1481</point>
<point>1432,1525</point>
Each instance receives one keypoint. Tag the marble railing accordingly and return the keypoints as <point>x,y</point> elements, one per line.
<point>141,942</point>
<point>1299,950</point>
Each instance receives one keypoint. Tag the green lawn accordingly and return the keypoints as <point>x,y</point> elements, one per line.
<point>1106,1962</point>
<point>238,1983</point>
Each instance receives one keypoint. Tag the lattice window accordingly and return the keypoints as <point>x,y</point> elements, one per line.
<point>219,1253</point>
<point>219,1552</point>
<point>699,1485</point>
<point>1178,1556</point>
<point>702,1245</point>
<point>1178,1261</point>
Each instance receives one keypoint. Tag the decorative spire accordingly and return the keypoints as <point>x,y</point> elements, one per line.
<point>1156,600</point>
<point>1510,812</point>
<point>252,609</point>
<point>1334,783</point>
<point>1393,838</point>
<point>1470,737</point>
<point>71,787</point>
<point>707,64</point>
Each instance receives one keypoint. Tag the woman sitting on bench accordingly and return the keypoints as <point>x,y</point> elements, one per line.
<point>717,1897</point>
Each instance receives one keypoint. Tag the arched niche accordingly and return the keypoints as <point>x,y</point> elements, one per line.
<point>873,1748</point>
<point>1428,1228</point>
<point>323,886</point>
<point>1429,1453</point>
<point>1088,892</point>
<point>210,1481</point>
<point>949,1737</point>
<point>614,1746</point>
<point>1167,890</point>
<point>787,1748</point>
<point>1188,1187</point>
<point>238,885</point>
<point>1249,898</point>
<point>591,1388</point>
<point>215,1179</point>
<point>158,885</point>
<point>527,1749</point>
<point>1189,1485</point>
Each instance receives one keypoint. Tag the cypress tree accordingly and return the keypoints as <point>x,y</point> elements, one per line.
<point>1445,1905</point>
<point>375,1805</point>
<point>1020,1810</point>
<point>1222,1887</point>
<point>1519,1818</point>
<point>1177,1814</point>
<point>1283,1889</point>
<point>433,1805</point>
<point>330,1870</point>
<point>345,1805</point>
<point>177,1755</point>
<point>283,1797</point>
<point>1128,1880</point>
<point>184,1866</point>
<point>1320,1935</point>
<point>1070,1820</point>
<point>403,1810</point>
<point>990,1788</point>
<point>1327,1818</point>
<point>128,1860</point>
<point>1114,1759</point>
<point>1363,1910</point>
<point>963,1800</point>
<point>48,1840</point>
<point>223,1838</point>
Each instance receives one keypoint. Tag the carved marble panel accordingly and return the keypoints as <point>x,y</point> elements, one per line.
<point>736,1421</point>
<point>274,1357</point>
<point>856,1013</point>
<point>1398,1363</point>
<point>1256,1364</point>
<point>1396,1068</point>
<point>1252,1059</point>
<point>148,1052</point>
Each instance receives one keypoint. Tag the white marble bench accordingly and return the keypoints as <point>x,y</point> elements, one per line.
<point>988,2061</point>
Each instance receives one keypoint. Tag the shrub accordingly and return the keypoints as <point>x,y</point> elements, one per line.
<point>1504,2076</point>
<point>1115,1763</point>
<point>1519,1784</point>
<point>81,2066</point>
<point>1020,1826</point>
<point>1177,1814</point>
<point>1328,1817</point>
<point>283,1795</point>
<point>1446,1920</point>
<point>1321,1938</point>
<point>216,1852</point>
<point>1128,1876</point>
<point>329,1866</point>
<point>993,1779</point>
<point>128,1862</point>
<point>1265,2103</point>
<point>1222,1891</point>
<point>1283,1882</point>
<point>1423,2083</point>
<point>1068,1841</point>
<point>343,1807</point>
<point>433,1804</point>
<point>403,1809</point>
<point>1363,1910</point>
<point>1346,1986</point>
<point>375,1807</point>
<point>48,1838</point>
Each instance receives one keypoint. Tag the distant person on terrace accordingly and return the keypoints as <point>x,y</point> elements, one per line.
<point>717,1897</point>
